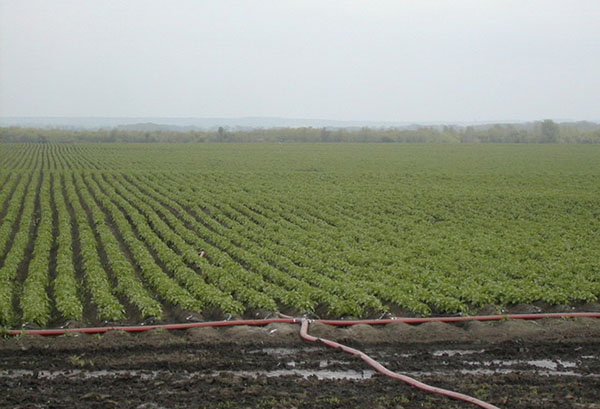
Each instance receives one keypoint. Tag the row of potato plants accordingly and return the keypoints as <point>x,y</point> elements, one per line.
<point>12,209</point>
<point>5,178</point>
<point>34,300</point>
<point>66,286</point>
<point>16,254</point>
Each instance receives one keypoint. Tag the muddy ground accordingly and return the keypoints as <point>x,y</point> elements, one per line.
<point>511,364</point>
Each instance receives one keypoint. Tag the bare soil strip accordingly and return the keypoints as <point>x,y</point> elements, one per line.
<point>512,364</point>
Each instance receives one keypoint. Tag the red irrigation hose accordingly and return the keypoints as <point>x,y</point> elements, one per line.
<point>383,370</point>
<point>466,318</point>
<point>142,328</point>
<point>290,320</point>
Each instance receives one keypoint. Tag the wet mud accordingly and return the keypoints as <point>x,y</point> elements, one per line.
<point>511,364</point>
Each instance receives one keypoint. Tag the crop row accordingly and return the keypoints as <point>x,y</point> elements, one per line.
<point>17,253</point>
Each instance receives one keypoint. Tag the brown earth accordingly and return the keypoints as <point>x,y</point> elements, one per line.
<point>511,364</point>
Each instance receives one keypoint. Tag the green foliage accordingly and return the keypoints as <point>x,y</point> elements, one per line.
<point>98,284</point>
<point>127,282</point>
<point>68,302</point>
<point>16,255</point>
<point>35,302</point>
<point>345,230</point>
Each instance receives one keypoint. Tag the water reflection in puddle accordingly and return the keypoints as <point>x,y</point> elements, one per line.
<point>149,375</point>
<point>455,352</point>
<point>284,351</point>
<point>306,373</point>
<point>539,363</point>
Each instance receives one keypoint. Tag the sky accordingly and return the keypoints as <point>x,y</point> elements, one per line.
<point>403,61</point>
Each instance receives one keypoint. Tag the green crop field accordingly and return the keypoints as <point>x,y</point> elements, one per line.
<point>95,232</point>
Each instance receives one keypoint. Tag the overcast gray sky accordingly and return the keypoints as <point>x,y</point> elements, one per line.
<point>347,60</point>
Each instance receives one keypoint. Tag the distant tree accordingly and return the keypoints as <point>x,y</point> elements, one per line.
<point>224,136</point>
<point>550,131</point>
<point>325,135</point>
<point>221,133</point>
<point>469,135</point>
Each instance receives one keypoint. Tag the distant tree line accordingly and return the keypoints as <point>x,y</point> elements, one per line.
<point>546,131</point>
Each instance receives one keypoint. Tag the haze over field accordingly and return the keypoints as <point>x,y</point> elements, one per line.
<point>392,61</point>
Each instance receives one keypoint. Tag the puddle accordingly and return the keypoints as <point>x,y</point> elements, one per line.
<point>552,365</point>
<point>395,354</point>
<point>322,364</point>
<point>327,362</point>
<point>284,351</point>
<point>306,373</point>
<point>80,373</point>
<point>150,375</point>
<point>500,371</point>
<point>455,352</point>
